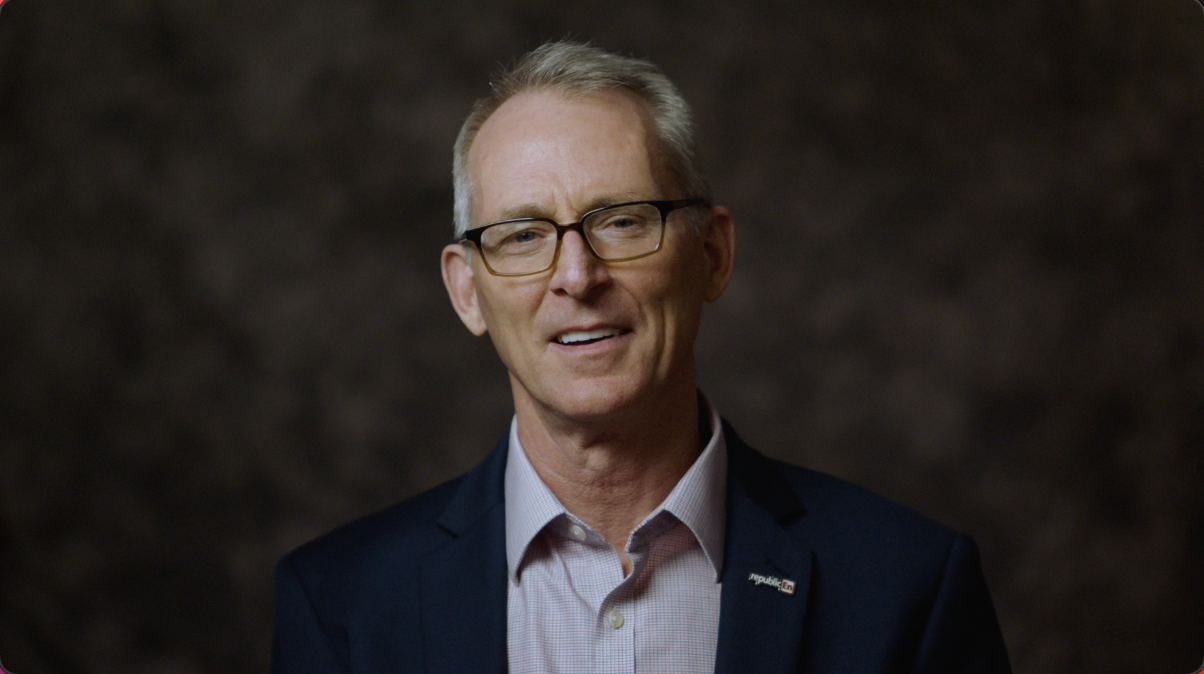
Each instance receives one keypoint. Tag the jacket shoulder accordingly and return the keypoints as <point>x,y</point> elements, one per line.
<point>377,544</point>
<point>848,526</point>
<point>886,584</point>
<point>868,545</point>
<point>829,500</point>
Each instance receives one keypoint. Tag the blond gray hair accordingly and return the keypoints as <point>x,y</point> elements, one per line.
<point>577,69</point>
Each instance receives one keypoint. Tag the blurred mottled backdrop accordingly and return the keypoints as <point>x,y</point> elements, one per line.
<point>970,276</point>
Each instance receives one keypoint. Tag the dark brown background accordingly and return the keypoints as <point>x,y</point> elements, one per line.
<point>970,276</point>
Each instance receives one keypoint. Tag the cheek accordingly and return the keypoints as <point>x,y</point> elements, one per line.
<point>674,299</point>
<point>684,286</point>
<point>509,315</point>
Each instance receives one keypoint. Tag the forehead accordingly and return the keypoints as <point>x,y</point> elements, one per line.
<point>547,151</point>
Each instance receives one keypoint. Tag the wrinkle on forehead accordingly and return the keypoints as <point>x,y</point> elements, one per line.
<point>531,132</point>
<point>548,212</point>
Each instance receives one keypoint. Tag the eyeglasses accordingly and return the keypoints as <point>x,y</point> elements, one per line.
<point>615,233</point>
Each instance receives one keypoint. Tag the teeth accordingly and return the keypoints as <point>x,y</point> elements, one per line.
<point>586,335</point>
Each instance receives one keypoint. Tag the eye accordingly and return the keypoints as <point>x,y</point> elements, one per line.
<point>525,236</point>
<point>516,237</point>
<point>623,224</point>
<point>623,220</point>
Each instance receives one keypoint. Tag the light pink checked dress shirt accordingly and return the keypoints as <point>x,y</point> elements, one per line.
<point>569,608</point>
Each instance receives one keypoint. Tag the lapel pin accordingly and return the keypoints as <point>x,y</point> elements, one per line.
<point>783,585</point>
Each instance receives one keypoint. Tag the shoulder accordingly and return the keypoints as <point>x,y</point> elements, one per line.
<point>869,551</point>
<point>350,570</point>
<point>389,542</point>
<point>370,546</point>
<point>885,582</point>
<point>342,588</point>
<point>846,525</point>
<point>844,510</point>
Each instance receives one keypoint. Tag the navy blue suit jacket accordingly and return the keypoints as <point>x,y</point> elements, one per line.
<point>421,586</point>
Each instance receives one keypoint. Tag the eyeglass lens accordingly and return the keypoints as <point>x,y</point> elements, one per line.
<point>614,234</point>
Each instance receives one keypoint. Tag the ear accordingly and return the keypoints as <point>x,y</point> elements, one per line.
<point>719,243</point>
<point>461,284</point>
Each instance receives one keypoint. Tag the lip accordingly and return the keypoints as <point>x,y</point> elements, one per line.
<point>623,332</point>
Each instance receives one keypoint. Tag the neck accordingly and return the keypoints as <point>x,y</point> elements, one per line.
<point>611,473</point>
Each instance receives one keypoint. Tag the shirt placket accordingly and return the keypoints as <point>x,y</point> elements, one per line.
<point>597,576</point>
<point>622,610</point>
<point>619,619</point>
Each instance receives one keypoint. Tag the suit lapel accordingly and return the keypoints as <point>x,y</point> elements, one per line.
<point>464,581</point>
<point>760,626</point>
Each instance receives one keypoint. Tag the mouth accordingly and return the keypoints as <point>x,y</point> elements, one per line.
<point>583,337</point>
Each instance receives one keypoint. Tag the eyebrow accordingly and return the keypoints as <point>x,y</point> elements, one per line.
<point>537,210</point>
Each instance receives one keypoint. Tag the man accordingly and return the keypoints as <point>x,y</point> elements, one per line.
<point>620,525</point>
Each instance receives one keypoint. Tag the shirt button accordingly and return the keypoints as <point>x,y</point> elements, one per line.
<point>577,532</point>
<point>615,618</point>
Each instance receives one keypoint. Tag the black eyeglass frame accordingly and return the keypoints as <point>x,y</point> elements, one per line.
<point>664,206</point>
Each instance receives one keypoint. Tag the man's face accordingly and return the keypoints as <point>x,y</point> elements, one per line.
<point>544,155</point>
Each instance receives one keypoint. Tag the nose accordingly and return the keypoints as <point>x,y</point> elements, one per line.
<point>577,271</point>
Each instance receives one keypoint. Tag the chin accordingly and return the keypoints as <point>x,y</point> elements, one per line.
<point>595,398</point>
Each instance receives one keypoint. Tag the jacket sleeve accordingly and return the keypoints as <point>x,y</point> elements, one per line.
<point>301,643</point>
<point>962,635</point>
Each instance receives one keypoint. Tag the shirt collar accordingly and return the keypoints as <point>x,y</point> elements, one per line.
<point>698,500</point>
<point>530,505</point>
